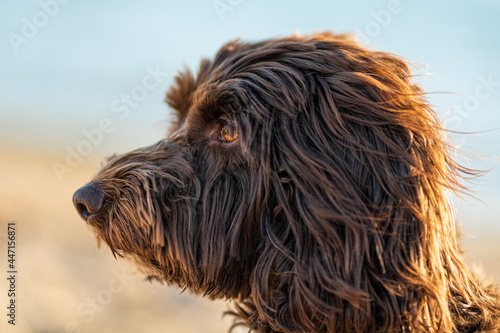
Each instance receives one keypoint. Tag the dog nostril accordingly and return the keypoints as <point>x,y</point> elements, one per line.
<point>88,200</point>
<point>82,210</point>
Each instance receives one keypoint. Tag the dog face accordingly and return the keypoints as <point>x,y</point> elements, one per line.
<point>303,177</point>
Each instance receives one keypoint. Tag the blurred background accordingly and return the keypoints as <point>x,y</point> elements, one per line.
<point>80,80</point>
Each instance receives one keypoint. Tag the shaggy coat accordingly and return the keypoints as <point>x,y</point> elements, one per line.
<point>306,179</point>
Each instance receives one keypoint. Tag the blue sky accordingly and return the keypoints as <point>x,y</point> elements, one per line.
<point>84,55</point>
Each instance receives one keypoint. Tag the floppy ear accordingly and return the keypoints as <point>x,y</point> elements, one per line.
<point>309,272</point>
<point>357,208</point>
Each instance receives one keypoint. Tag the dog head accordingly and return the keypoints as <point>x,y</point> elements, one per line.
<point>303,176</point>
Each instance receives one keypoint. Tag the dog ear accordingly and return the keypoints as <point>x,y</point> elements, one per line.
<point>309,270</point>
<point>180,95</point>
<point>357,178</point>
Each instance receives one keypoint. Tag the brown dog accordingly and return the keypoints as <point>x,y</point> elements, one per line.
<point>305,178</point>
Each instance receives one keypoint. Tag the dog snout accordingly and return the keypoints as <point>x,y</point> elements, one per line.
<point>88,200</point>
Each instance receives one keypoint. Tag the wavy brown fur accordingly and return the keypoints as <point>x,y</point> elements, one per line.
<point>328,214</point>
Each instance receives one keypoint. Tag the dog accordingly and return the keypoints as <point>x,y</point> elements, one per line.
<point>305,178</point>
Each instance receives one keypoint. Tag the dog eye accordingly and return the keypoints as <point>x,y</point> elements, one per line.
<point>228,134</point>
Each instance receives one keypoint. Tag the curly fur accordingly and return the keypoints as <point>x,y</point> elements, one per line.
<point>328,214</point>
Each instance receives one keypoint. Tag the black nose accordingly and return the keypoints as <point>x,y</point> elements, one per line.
<point>88,200</point>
